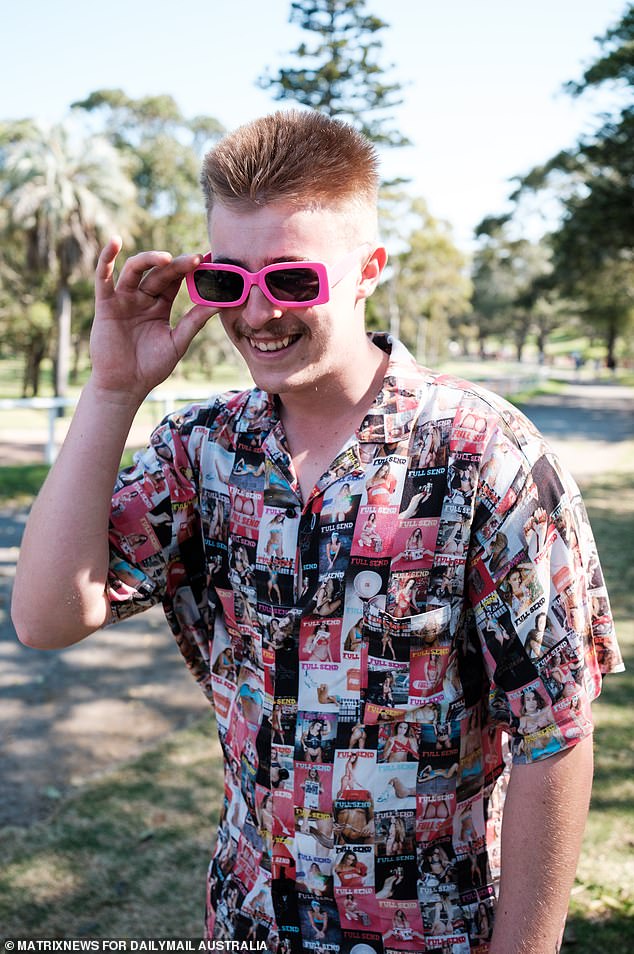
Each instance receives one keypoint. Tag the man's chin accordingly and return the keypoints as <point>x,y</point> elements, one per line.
<point>274,383</point>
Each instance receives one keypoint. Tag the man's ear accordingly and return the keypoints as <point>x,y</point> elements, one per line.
<point>372,272</point>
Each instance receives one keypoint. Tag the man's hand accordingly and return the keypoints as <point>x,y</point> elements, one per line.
<point>133,346</point>
<point>133,349</point>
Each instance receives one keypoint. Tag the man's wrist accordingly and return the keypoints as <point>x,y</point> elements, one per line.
<point>124,400</point>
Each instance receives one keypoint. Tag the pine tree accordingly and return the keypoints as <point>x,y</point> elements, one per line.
<point>340,74</point>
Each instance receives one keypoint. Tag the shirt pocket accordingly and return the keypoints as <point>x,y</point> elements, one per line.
<point>408,661</point>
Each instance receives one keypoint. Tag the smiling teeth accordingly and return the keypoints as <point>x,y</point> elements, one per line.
<point>272,345</point>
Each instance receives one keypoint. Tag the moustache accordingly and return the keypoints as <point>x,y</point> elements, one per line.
<point>273,330</point>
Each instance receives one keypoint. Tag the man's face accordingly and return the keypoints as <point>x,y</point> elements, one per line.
<point>292,350</point>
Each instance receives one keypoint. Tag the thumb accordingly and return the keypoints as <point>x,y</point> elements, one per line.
<point>188,327</point>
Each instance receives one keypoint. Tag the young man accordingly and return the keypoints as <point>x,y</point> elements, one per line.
<point>248,480</point>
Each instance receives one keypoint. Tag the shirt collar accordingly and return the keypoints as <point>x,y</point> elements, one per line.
<point>388,420</point>
<point>390,417</point>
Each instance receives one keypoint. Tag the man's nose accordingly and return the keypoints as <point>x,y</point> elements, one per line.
<point>258,310</point>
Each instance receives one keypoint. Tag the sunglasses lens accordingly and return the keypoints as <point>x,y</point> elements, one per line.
<point>218,285</point>
<point>293,284</point>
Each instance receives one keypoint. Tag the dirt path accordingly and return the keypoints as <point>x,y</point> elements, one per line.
<point>591,427</point>
<point>66,716</point>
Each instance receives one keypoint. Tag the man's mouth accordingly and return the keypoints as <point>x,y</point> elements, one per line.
<point>276,344</point>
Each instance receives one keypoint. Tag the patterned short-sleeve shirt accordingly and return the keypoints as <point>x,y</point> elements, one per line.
<point>376,655</point>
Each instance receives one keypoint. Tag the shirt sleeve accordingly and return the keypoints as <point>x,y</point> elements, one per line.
<point>157,547</point>
<point>540,604</point>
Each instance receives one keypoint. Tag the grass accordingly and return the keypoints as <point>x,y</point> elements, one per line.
<point>126,856</point>
<point>197,381</point>
<point>19,484</point>
<point>545,388</point>
<point>602,903</point>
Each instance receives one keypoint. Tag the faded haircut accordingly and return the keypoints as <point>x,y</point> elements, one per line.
<point>294,156</point>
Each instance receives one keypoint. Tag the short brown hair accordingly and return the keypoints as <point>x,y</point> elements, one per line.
<point>292,156</point>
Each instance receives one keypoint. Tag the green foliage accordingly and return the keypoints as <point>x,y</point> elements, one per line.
<point>514,292</point>
<point>340,74</point>
<point>595,178</point>
<point>594,181</point>
<point>118,166</point>
<point>617,63</point>
<point>164,151</point>
<point>607,301</point>
<point>427,291</point>
<point>62,192</point>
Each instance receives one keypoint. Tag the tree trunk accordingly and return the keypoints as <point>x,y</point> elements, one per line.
<point>482,343</point>
<point>521,333</point>
<point>611,344</point>
<point>32,367</point>
<point>421,340</point>
<point>78,342</point>
<point>62,317</point>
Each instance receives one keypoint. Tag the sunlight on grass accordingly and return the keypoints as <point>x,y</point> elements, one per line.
<point>602,902</point>
<point>47,878</point>
<point>125,857</point>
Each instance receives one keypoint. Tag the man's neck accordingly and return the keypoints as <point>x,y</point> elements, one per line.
<point>318,423</point>
<point>335,399</point>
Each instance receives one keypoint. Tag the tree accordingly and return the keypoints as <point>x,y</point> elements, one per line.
<point>163,150</point>
<point>513,289</point>
<point>606,303</point>
<point>62,194</point>
<point>340,74</point>
<point>594,245</point>
<point>26,317</point>
<point>429,290</point>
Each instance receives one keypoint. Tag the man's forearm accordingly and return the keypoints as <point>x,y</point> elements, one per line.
<point>59,592</point>
<point>544,820</point>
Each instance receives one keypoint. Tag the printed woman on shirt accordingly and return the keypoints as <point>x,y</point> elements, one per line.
<point>381,486</point>
<point>402,746</point>
<point>350,871</point>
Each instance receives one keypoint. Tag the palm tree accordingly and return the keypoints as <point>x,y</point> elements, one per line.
<point>64,193</point>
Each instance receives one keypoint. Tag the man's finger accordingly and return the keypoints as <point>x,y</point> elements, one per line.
<point>166,282</point>
<point>136,267</point>
<point>188,327</point>
<point>105,266</point>
<point>156,274</point>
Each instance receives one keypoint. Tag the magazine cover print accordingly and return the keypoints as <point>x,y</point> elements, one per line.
<point>367,650</point>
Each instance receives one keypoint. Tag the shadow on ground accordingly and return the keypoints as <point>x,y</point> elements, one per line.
<point>599,935</point>
<point>66,716</point>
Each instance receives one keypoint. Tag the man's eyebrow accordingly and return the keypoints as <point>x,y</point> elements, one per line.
<point>226,260</point>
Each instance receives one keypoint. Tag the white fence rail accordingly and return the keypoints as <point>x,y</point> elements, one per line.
<point>51,406</point>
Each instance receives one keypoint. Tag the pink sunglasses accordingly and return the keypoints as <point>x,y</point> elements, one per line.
<point>288,284</point>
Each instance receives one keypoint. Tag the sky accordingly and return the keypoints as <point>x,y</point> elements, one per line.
<point>482,79</point>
